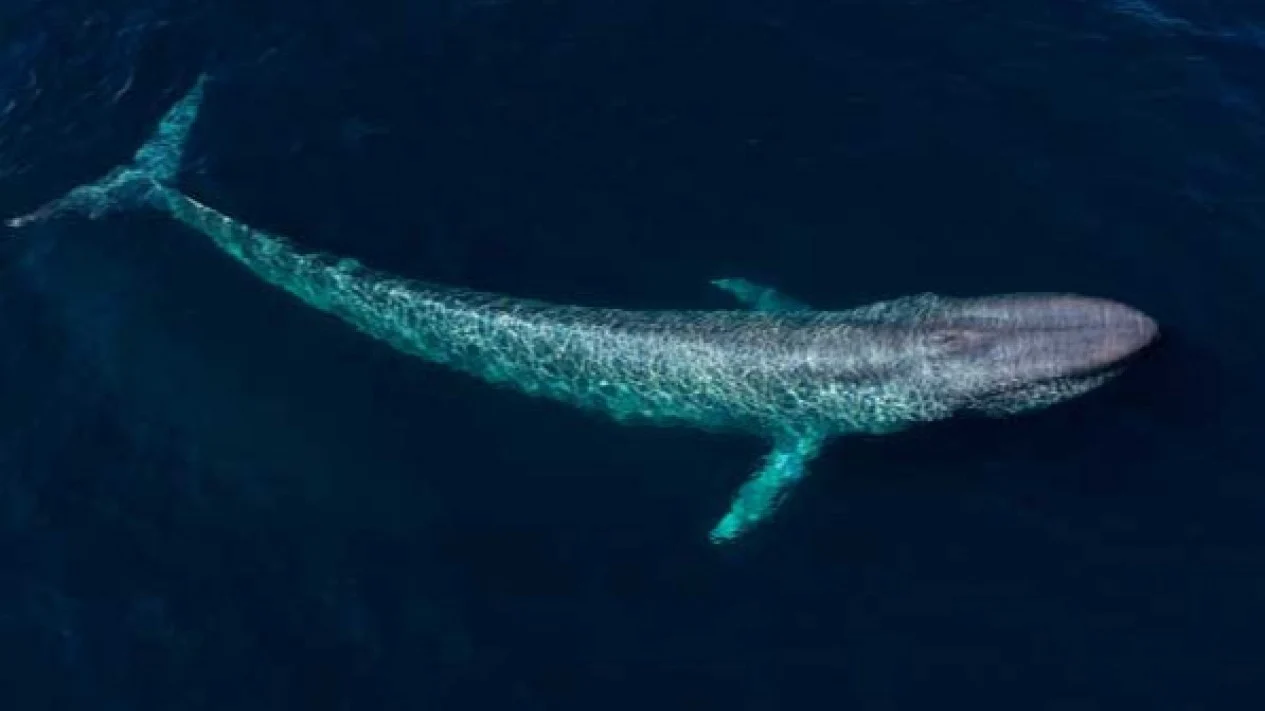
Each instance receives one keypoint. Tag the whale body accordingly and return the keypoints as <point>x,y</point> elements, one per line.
<point>777,368</point>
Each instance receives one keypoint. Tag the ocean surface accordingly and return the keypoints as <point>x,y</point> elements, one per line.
<point>213,497</point>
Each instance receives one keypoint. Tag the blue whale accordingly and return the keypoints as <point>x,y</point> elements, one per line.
<point>776,368</point>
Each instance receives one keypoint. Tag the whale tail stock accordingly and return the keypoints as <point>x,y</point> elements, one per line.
<point>152,170</point>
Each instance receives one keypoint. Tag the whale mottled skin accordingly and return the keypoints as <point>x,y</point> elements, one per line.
<point>777,369</point>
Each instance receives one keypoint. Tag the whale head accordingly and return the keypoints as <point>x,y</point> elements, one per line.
<point>1001,355</point>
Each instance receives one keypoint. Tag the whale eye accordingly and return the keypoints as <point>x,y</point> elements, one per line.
<point>950,340</point>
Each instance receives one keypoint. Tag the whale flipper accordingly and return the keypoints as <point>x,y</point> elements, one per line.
<point>759,297</point>
<point>760,495</point>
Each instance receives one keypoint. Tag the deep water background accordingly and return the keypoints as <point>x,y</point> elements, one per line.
<point>214,498</point>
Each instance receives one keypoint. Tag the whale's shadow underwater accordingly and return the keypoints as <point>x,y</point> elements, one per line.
<point>777,369</point>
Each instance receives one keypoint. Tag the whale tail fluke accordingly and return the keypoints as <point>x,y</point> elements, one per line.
<point>152,169</point>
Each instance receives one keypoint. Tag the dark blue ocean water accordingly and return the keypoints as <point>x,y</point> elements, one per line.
<point>212,497</point>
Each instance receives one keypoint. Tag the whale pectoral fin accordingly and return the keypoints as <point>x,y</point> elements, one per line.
<point>759,297</point>
<point>760,495</point>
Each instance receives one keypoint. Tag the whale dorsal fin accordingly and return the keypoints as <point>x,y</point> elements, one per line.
<point>759,297</point>
<point>760,495</point>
